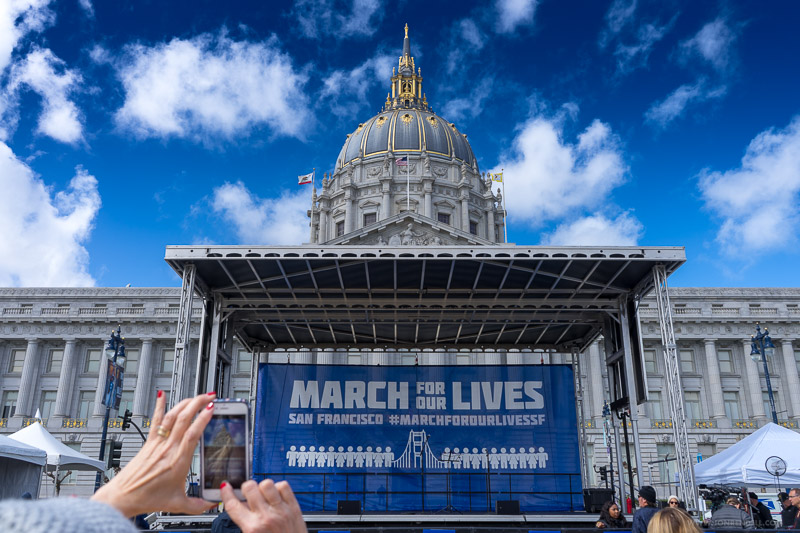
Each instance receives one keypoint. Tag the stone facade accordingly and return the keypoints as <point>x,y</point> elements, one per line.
<point>50,340</point>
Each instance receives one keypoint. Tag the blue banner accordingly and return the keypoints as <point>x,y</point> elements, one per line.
<point>409,438</point>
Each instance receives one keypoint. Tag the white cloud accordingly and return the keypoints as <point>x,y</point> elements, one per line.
<point>633,56</point>
<point>87,7</point>
<point>471,33</point>
<point>319,18</point>
<point>264,221</point>
<point>211,86</point>
<point>43,235</point>
<point>712,43</point>
<point>17,19</point>
<point>345,91</point>
<point>466,40</point>
<point>549,178</point>
<point>662,113</point>
<point>619,15</point>
<point>758,202</point>
<point>597,230</point>
<point>470,106</point>
<point>45,74</point>
<point>513,13</point>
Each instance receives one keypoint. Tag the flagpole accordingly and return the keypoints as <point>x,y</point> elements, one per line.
<point>505,213</point>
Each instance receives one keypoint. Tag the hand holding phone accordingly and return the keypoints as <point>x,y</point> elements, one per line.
<point>225,452</point>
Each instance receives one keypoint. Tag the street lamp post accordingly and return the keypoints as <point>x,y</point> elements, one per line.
<point>761,347</point>
<point>115,352</point>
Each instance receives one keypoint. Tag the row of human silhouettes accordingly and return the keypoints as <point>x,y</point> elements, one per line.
<point>340,457</point>
<point>502,459</point>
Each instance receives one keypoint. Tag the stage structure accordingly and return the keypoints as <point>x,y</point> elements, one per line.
<point>407,253</point>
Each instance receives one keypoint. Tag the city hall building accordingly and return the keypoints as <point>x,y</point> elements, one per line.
<point>407,265</point>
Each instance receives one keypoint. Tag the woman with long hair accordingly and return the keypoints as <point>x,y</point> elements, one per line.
<point>611,516</point>
<point>672,520</point>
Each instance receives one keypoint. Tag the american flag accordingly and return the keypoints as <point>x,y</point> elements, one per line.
<point>401,161</point>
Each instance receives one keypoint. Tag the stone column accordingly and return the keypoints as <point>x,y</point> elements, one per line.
<point>27,383</point>
<point>490,222</point>
<point>323,224</point>
<point>427,187</point>
<point>143,393</point>
<point>349,215</point>
<point>753,383</point>
<point>790,379</point>
<point>465,210</point>
<point>386,202</point>
<point>596,381</point>
<point>65,381</point>
<point>713,381</point>
<point>99,408</point>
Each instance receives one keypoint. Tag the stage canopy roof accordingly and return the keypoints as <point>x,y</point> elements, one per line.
<point>421,297</point>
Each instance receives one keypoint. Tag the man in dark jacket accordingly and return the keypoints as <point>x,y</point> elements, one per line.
<point>761,515</point>
<point>731,516</point>
<point>647,508</point>
<point>789,511</point>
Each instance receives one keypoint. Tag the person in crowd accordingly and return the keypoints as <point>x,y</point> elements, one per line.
<point>761,515</point>
<point>672,520</point>
<point>647,508</point>
<point>611,516</point>
<point>788,511</point>
<point>223,523</point>
<point>794,499</point>
<point>154,480</point>
<point>731,516</point>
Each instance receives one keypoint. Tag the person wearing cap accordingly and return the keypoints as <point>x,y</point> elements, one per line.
<point>761,515</point>
<point>789,511</point>
<point>647,508</point>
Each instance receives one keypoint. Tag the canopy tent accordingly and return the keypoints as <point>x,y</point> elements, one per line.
<point>745,463</point>
<point>59,455</point>
<point>20,468</point>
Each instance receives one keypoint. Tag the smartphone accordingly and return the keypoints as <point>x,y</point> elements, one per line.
<point>225,453</point>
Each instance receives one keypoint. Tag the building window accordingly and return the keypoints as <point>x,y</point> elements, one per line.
<point>131,361</point>
<point>473,227</point>
<point>731,400</point>
<point>167,361</point>
<point>92,365</point>
<point>9,406</point>
<point>687,361</point>
<point>340,228</point>
<point>667,469</point>
<point>72,478</point>
<point>370,218</point>
<point>17,361</point>
<point>767,406</point>
<point>692,402</point>
<point>797,359</point>
<point>126,402</point>
<point>650,363</point>
<point>444,218</point>
<point>725,358</point>
<point>244,361</point>
<point>54,362</point>
<point>706,450</point>
<point>656,405</point>
<point>46,403</point>
<point>86,403</point>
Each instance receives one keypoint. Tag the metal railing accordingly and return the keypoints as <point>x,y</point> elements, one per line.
<point>744,423</point>
<point>74,423</point>
<point>3,422</point>
<point>28,421</point>
<point>787,423</point>
<point>703,423</point>
<point>660,423</point>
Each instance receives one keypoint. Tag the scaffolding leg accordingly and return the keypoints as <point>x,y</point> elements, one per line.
<point>182,336</point>
<point>686,483</point>
<point>631,385</point>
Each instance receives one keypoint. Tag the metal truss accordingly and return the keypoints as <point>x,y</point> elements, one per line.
<point>675,390</point>
<point>183,335</point>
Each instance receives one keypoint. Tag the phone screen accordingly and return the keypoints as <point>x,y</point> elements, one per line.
<point>225,443</point>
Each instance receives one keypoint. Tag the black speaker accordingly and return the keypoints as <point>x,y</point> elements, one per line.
<point>506,507</point>
<point>348,507</point>
<point>593,499</point>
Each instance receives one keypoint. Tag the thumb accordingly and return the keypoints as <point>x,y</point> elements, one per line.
<point>197,505</point>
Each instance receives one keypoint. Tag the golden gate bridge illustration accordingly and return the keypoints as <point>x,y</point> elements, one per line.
<point>418,453</point>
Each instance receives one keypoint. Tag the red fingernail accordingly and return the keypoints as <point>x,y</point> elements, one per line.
<point>160,393</point>
<point>210,406</point>
<point>223,485</point>
<point>212,393</point>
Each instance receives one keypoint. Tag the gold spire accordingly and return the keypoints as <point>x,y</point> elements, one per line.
<point>406,29</point>
<point>406,82</point>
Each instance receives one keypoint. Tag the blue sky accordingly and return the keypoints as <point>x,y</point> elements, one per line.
<point>126,126</point>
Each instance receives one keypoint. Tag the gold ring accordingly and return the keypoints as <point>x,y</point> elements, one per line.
<point>162,432</point>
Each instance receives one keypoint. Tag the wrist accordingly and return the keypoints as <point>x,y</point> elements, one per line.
<point>106,494</point>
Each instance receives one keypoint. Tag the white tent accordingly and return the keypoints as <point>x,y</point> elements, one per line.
<point>59,455</point>
<point>20,468</point>
<point>744,463</point>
